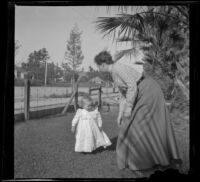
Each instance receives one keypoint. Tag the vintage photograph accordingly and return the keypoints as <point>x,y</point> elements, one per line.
<point>101,91</point>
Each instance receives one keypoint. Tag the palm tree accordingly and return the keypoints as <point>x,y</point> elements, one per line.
<point>161,32</point>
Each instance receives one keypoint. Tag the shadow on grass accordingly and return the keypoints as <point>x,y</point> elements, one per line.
<point>112,147</point>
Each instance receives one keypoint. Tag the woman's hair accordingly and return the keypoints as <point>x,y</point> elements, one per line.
<point>103,57</point>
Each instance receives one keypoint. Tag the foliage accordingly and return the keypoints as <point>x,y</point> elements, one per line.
<point>54,71</point>
<point>67,77</point>
<point>36,63</point>
<point>73,54</point>
<point>20,82</point>
<point>180,102</point>
<point>162,33</point>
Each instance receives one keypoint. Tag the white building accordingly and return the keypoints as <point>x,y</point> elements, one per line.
<point>96,80</point>
<point>19,72</point>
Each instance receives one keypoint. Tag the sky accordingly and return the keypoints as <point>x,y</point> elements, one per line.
<point>49,27</point>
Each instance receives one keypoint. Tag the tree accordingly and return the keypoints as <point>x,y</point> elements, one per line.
<point>51,73</point>
<point>73,54</point>
<point>162,32</point>
<point>17,46</point>
<point>36,63</point>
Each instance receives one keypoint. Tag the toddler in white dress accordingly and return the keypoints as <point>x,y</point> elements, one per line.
<point>87,125</point>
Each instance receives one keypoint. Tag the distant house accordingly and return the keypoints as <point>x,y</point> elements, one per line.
<point>109,84</point>
<point>83,79</point>
<point>20,72</point>
<point>97,81</point>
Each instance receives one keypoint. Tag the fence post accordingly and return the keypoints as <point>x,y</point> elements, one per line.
<point>113,86</point>
<point>100,97</point>
<point>26,99</point>
<point>89,90</point>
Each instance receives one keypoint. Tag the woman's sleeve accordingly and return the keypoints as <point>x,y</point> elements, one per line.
<point>131,93</point>
<point>130,79</point>
<point>76,117</point>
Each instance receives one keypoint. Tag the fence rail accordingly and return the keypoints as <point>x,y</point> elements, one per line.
<point>30,99</point>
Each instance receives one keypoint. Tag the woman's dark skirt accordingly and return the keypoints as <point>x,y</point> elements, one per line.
<point>146,141</point>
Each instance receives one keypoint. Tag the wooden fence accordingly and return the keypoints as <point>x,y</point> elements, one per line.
<point>99,94</point>
<point>73,96</point>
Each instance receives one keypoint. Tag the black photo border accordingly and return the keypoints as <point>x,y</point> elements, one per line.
<point>7,83</point>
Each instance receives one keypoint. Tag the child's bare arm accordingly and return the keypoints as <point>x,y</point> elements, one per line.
<point>75,120</point>
<point>99,120</point>
<point>73,129</point>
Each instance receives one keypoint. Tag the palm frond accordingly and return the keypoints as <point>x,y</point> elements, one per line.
<point>131,24</point>
<point>127,39</point>
<point>184,10</point>
<point>105,24</point>
<point>123,24</point>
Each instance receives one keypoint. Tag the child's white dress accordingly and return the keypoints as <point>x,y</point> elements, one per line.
<point>89,134</point>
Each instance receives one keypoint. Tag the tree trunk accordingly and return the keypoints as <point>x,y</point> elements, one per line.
<point>73,94</point>
<point>73,82</point>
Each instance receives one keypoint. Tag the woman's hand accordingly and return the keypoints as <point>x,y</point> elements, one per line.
<point>119,120</point>
<point>127,112</point>
<point>73,129</point>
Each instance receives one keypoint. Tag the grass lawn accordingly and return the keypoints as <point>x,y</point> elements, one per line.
<point>44,148</point>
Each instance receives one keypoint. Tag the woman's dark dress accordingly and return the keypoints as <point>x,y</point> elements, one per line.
<point>146,139</point>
